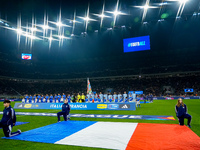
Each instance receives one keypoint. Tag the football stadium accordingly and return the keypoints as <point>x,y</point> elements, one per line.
<point>100,74</point>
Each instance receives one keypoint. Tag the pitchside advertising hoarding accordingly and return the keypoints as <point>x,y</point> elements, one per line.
<point>78,106</point>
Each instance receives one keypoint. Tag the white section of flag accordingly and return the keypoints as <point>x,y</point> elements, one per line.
<point>111,135</point>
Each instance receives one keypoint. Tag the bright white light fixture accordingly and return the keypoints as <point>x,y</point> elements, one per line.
<point>50,38</point>
<point>45,27</point>
<point>86,18</point>
<point>59,24</point>
<point>183,1</point>
<point>19,31</point>
<point>116,12</point>
<point>61,37</point>
<point>33,29</point>
<point>146,6</point>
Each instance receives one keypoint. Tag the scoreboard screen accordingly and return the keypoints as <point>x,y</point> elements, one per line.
<point>26,56</point>
<point>136,44</point>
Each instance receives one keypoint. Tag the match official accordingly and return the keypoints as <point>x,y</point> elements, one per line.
<point>8,120</point>
<point>65,111</point>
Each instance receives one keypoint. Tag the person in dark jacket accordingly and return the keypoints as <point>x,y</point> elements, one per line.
<point>181,112</point>
<point>8,120</point>
<point>65,111</point>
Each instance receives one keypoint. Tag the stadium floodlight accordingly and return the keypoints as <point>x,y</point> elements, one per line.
<point>87,18</point>
<point>19,31</point>
<point>45,27</point>
<point>59,24</point>
<point>194,14</point>
<point>102,16</point>
<point>32,36</point>
<point>50,38</point>
<point>116,13</point>
<point>183,1</point>
<point>29,36</point>
<point>61,36</point>
<point>33,29</point>
<point>146,6</point>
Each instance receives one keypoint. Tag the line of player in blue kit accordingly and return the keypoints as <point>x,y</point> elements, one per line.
<point>46,99</point>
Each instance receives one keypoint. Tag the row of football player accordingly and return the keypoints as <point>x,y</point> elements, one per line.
<point>38,98</point>
<point>81,98</point>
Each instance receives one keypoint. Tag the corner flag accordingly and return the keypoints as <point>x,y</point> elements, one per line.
<point>89,89</point>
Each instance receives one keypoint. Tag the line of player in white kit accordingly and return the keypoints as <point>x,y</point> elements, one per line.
<point>104,98</point>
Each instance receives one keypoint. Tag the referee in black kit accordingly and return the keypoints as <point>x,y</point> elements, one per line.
<point>8,120</point>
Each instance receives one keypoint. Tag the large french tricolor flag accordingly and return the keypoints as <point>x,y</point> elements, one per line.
<point>115,135</point>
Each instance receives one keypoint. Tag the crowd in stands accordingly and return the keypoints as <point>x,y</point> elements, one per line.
<point>148,85</point>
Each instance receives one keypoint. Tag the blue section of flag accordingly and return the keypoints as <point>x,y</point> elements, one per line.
<point>54,132</point>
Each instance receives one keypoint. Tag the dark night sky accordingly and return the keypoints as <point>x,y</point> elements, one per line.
<point>171,41</point>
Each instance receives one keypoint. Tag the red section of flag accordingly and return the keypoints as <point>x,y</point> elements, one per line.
<point>163,136</point>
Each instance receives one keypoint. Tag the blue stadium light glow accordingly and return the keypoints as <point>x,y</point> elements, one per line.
<point>163,3</point>
<point>145,22</point>
<point>6,25</point>
<point>160,20</point>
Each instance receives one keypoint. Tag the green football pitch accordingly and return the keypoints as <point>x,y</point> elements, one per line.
<point>158,107</point>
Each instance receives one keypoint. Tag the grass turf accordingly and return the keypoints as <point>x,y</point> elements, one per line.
<point>158,107</point>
